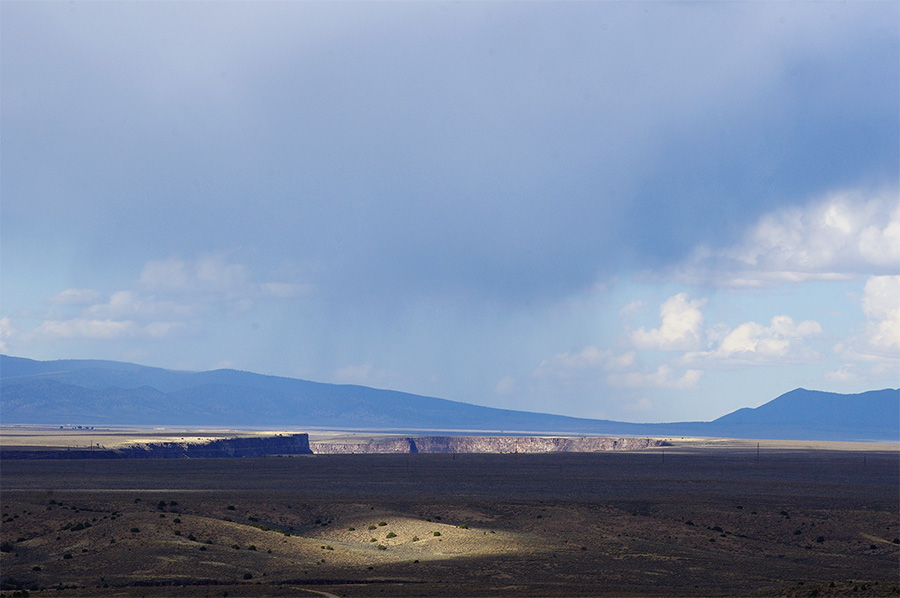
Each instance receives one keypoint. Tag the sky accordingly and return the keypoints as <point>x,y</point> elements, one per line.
<point>633,211</point>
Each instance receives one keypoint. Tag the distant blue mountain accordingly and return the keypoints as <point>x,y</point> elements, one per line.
<point>93,392</point>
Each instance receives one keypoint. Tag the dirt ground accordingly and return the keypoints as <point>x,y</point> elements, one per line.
<point>698,518</point>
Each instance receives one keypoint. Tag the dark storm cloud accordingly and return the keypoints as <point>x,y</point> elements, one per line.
<point>510,151</point>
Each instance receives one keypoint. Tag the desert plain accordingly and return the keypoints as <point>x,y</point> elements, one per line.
<point>697,517</point>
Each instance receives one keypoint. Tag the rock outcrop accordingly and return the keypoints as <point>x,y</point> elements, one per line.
<point>252,446</point>
<point>484,444</point>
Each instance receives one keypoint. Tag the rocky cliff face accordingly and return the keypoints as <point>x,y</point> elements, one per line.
<point>484,444</point>
<point>255,446</point>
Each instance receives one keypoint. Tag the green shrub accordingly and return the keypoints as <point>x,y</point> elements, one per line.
<point>382,523</point>
<point>436,534</point>
<point>463,526</point>
<point>391,535</point>
<point>6,547</point>
<point>251,547</point>
<point>371,527</point>
<point>236,546</point>
<point>352,529</point>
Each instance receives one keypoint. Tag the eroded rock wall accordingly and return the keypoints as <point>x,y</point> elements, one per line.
<point>485,444</point>
<point>254,446</point>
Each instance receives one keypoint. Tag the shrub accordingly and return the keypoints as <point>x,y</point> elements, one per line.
<point>176,520</point>
<point>236,546</point>
<point>178,532</point>
<point>191,537</point>
<point>463,526</point>
<point>391,535</point>
<point>436,534</point>
<point>251,547</point>
<point>415,538</point>
<point>382,547</point>
<point>352,529</point>
<point>135,530</point>
<point>248,576</point>
<point>230,507</point>
<point>820,539</point>
<point>68,555</point>
<point>371,527</point>
<point>382,523</point>
<point>6,547</point>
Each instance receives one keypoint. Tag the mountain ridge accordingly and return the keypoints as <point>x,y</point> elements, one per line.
<point>98,392</point>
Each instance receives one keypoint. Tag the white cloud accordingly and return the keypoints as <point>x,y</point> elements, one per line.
<point>751,343</point>
<point>97,329</point>
<point>505,386</point>
<point>877,343</point>
<point>664,377</point>
<point>6,331</point>
<point>839,237</point>
<point>83,328</point>
<point>130,304</point>
<point>881,306</point>
<point>282,290</point>
<point>365,374</point>
<point>590,358</point>
<point>75,297</point>
<point>681,328</point>
<point>206,274</point>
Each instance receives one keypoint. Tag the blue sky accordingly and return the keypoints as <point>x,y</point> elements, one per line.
<point>634,211</point>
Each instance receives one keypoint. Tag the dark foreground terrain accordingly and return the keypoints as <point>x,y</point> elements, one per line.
<point>692,522</point>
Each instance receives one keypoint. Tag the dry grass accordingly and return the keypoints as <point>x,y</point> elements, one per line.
<point>707,521</point>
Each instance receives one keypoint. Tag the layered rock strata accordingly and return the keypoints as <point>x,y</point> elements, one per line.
<point>484,444</point>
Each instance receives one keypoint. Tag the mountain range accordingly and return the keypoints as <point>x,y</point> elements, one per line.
<point>111,393</point>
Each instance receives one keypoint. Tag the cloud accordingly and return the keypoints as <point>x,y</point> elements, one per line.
<point>842,236</point>
<point>206,274</point>
<point>95,329</point>
<point>365,374</point>
<point>750,343</point>
<point>83,328</point>
<point>877,342</point>
<point>681,328</point>
<point>6,331</point>
<point>75,297</point>
<point>506,385</point>
<point>590,358</point>
<point>881,306</point>
<point>664,377</point>
<point>617,370</point>
<point>124,304</point>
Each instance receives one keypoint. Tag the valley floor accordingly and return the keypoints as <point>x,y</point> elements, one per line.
<point>698,519</point>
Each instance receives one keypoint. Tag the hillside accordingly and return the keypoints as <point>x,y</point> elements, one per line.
<point>92,392</point>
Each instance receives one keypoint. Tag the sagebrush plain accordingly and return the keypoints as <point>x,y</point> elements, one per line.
<point>697,518</point>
